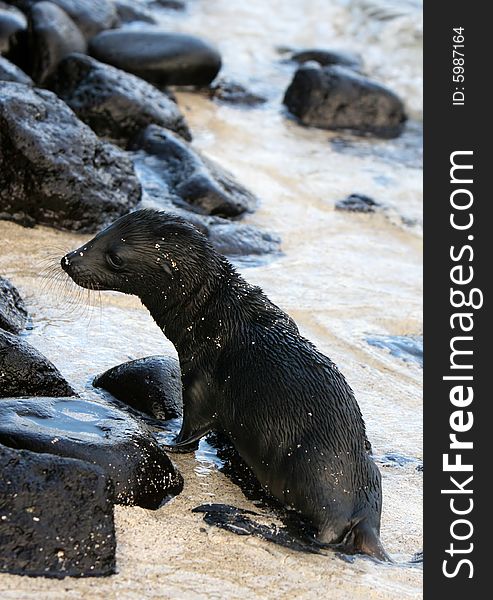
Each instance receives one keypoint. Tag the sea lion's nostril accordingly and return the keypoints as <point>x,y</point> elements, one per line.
<point>67,261</point>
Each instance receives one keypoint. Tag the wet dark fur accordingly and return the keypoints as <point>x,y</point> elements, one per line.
<point>247,372</point>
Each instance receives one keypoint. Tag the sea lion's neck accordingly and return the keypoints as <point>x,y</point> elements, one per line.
<point>195,320</point>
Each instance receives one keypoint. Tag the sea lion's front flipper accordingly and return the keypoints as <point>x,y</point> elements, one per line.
<point>198,419</point>
<point>188,438</point>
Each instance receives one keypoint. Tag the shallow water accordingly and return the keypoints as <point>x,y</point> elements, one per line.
<point>344,277</point>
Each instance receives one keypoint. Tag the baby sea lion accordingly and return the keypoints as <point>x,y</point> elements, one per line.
<point>246,372</point>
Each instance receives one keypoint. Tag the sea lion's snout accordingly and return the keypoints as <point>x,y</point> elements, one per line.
<point>68,261</point>
<point>73,262</point>
<point>78,268</point>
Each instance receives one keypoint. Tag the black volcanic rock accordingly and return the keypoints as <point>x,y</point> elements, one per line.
<point>56,516</point>
<point>326,58</point>
<point>98,433</point>
<point>11,22</point>
<point>11,72</point>
<point>237,239</point>
<point>234,93</point>
<point>358,203</point>
<point>151,385</point>
<point>129,11</point>
<point>195,182</point>
<point>115,104</point>
<point>13,312</point>
<point>158,56</point>
<point>338,98</point>
<point>52,36</point>
<point>26,372</point>
<point>91,16</point>
<point>168,4</point>
<point>53,168</point>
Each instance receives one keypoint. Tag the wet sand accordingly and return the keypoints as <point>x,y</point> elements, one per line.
<point>342,277</point>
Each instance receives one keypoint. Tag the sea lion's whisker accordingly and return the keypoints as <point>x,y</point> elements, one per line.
<point>72,301</point>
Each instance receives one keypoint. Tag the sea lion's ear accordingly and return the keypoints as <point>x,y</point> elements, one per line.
<point>165,266</point>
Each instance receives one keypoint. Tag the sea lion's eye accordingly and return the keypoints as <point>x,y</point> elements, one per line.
<point>114,260</point>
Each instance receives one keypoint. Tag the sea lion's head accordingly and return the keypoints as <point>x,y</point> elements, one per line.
<point>146,253</point>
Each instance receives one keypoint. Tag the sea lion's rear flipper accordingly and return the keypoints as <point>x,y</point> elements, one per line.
<point>363,539</point>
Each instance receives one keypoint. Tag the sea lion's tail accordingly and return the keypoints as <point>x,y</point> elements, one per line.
<point>364,539</point>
